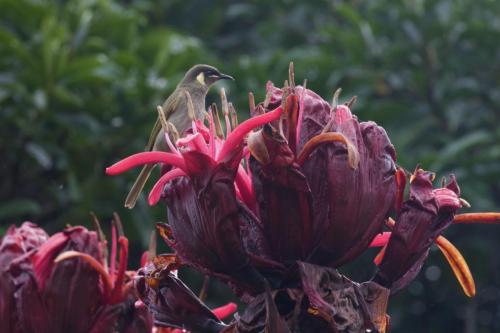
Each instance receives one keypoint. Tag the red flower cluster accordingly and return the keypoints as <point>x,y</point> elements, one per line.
<point>63,283</point>
<point>300,188</point>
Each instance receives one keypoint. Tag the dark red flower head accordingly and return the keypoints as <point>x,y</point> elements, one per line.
<point>210,200</point>
<point>325,183</point>
<point>424,216</point>
<point>58,289</point>
<point>301,184</point>
<point>318,186</point>
<point>16,243</point>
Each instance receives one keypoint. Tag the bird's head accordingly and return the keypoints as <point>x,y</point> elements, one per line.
<point>204,75</point>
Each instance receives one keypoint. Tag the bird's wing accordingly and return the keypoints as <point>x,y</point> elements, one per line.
<point>152,136</point>
<point>169,106</point>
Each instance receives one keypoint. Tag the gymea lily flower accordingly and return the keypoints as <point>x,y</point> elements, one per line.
<point>325,182</point>
<point>208,194</point>
<point>298,190</point>
<point>54,293</point>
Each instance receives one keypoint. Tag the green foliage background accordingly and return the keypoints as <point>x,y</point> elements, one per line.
<point>79,82</point>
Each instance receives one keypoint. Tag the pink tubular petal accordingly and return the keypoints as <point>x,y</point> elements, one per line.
<point>299,117</point>
<point>155,194</point>
<point>225,310</point>
<point>150,157</point>
<point>194,142</point>
<point>119,277</point>
<point>112,264</point>
<point>244,185</point>
<point>381,239</point>
<point>228,124</point>
<point>239,133</point>
<point>212,135</point>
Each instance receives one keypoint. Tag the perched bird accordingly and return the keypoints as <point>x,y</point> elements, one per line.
<point>195,84</point>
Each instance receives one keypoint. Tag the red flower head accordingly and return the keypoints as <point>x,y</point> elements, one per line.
<point>55,294</point>
<point>325,183</point>
<point>210,199</point>
<point>423,217</point>
<point>16,243</point>
<point>310,191</point>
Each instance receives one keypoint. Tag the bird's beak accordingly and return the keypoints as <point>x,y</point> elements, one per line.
<point>226,77</point>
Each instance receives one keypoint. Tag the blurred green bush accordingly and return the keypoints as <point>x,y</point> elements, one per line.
<point>79,81</point>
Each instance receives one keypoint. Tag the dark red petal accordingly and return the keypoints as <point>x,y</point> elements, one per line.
<point>205,220</point>
<point>43,259</point>
<point>238,134</point>
<point>351,205</point>
<point>284,199</point>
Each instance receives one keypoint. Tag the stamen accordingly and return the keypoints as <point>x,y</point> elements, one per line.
<point>291,75</point>
<point>97,225</point>
<point>292,109</point>
<point>149,157</point>
<point>112,264</point>
<point>269,95</point>
<point>106,278</point>
<point>155,194</point>
<point>234,115</point>
<point>102,240</point>
<point>335,99</point>
<point>400,189</point>
<point>119,226</point>
<point>351,102</point>
<point>166,130</point>
<point>211,138</point>
<point>487,218</point>
<point>245,186</point>
<point>299,117</point>
<point>225,111</point>
<point>458,265</point>
<point>315,142</point>
<point>218,126</point>
<point>237,136</point>
<point>251,102</point>
<point>117,294</point>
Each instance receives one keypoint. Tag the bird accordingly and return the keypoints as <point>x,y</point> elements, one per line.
<point>195,84</point>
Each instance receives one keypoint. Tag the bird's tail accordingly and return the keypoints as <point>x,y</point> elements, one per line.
<point>136,189</point>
